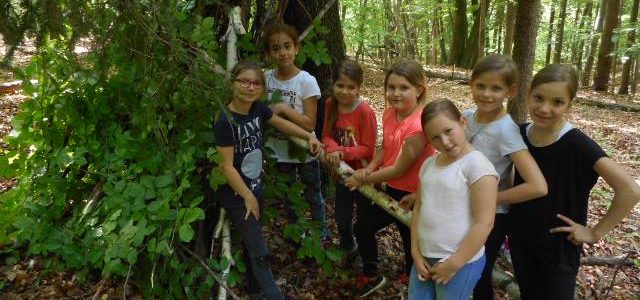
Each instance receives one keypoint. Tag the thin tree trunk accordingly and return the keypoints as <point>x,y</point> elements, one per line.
<point>411,36</point>
<point>443,46</point>
<point>499,24</point>
<point>388,43</point>
<point>471,45</point>
<point>362,15</point>
<point>636,72</point>
<point>484,6</point>
<point>586,19</point>
<point>631,39</point>
<point>578,21</point>
<point>557,55</point>
<point>552,15</point>
<point>527,22</point>
<point>509,29</point>
<point>586,75</point>
<point>603,67</point>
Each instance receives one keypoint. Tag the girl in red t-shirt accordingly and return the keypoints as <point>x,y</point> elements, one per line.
<point>349,134</point>
<point>396,163</point>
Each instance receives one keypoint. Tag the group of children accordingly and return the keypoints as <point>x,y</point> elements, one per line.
<point>470,178</point>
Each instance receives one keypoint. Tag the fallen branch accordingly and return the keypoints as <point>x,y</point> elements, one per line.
<point>317,18</point>
<point>608,105</point>
<point>380,198</point>
<point>217,278</point>
<point>607,261</point>
<point>463,78</point>
<point>613,280</point>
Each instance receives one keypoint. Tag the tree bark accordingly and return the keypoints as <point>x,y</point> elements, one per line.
<point>557,54</point>
<point>459,34</point>
<point>362,15</point>
<point>586,75</point>
<point>509,29</point>
<point>552,15</point>
<point>470,53</point>
<point>498,26</point>
<point>586,19</point>
<point>603,67</point>
<point>443,47</point>
<point>631,39</point>
<point>527,22</point>
<point>484,7</point>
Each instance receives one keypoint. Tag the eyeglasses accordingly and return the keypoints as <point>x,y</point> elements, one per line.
<point>245,83</point>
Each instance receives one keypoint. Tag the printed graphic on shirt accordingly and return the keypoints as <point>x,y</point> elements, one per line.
<point>248,149</point>
<point>345,137</point>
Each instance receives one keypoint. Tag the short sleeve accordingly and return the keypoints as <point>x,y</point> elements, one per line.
<point>223,131</point>
<point>424,167</point>
<point>310,87</point>
<point>479,166</point>
<point>512,141</point>
<point>588,148</point>
<point>264,111</point>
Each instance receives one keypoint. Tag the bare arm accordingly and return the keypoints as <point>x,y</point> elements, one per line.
<point>422,267</point>
<point>411,150</point>
<point>534,185</point>
<point>292,129</point>
<point>627,194</point>
<point>236,183</point>
<point>483,206</point>
<point>306,120</point>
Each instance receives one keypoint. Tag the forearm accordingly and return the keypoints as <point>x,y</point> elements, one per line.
<point>302,120</point>
<point>376,161</point>
<point>297,131</point>
<point>235,181</point>
<point>520,193</point>
<point>356,153</point>
<point>384,174</point>
<point>622,204</point>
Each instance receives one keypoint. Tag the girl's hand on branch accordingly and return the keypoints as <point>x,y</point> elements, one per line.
<point>251,203</point>
<point>315,146</point>
<point>578,233</point>
<point>442,272</point>
<point>361,174</point>
<point>334,158</point>
<point>352,183</point>
<point>278,108</point>
<point>407,201</point>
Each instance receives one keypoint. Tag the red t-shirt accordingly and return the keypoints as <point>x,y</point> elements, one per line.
<point>354,134</point>
<point>394,134</point>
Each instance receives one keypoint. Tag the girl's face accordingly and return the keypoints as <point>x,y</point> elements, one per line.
<point>548,103</point>
<point>401,94</point>
<point>489,90</point>
<point>248,86</point>
<point>447,136</point>
<point>282,49</point>
<point>345,90</point>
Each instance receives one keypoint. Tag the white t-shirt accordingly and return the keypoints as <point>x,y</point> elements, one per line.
<point>497,141</point>
<point>293,92</point>
<point>445,214</point>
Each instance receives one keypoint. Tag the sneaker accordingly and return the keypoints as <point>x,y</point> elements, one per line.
<point>365,285</point>
<point>403,279</point>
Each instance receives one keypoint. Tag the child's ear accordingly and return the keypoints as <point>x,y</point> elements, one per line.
<point>463,122</point>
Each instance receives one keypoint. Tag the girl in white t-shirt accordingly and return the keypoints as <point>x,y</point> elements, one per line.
<point>454,209</point>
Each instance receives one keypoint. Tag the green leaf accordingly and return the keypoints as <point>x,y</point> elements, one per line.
<point>185,233</point>
<point>193,214</point>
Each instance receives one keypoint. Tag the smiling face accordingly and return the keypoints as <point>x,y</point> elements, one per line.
<point>282,49</point>
<point>345,90</point>
<point>248,86</point>
<point>548,103</point>
<point>447,135</point>
<point>401,94</point>
<point>489,91</point>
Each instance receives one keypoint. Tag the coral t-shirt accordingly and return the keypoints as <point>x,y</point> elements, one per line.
<point>394,133</point>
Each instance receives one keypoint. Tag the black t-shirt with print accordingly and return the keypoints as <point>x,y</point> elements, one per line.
<point>245,134</point>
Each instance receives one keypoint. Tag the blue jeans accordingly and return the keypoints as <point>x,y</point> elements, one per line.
<point>309,174</point>
<point>459,287</point>
<point>250,231</point>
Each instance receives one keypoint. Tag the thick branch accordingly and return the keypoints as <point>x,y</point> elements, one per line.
<point>607,261</point>
<point>317,18</point>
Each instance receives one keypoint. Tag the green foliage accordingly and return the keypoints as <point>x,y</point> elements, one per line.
<point>111,148</point>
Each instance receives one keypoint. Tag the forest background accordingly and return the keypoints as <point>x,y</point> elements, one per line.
<point>106,157</point>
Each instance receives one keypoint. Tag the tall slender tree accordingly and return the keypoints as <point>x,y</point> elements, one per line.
<point>552,16</point>
<point>557,54</point>
<point>524,50</point>
<point>459,34</point>
<point>603,67</point>
<point>509,28</point>
<point>593,47</point>
<point>631,55</point>
<point>586,19</point>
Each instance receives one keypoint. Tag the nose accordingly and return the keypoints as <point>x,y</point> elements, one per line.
<point>445,140</point>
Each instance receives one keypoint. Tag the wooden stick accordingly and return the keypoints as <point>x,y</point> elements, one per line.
<point>217,278</point>
<point>318,17</point>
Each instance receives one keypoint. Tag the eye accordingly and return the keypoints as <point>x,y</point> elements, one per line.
<point>537,98</point>
<point>497,88</point>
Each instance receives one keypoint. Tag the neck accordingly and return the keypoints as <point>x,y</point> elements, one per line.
<point>550,130</point>
<point>348,107</point>
<point>288,72</point>
<point>488,117</point>
<point>446,159</point>
<point>403,115</point>
<point>240,107</point>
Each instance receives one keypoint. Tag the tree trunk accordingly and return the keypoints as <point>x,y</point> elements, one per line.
<point>362,15</point>
<point>594,43</point>
<point>578,22</point>
<point>586,19</point>
<point>443,47</point>
<point>603,67</point>
<point>552,15</point>
<point>557,55</point>
<point>410,32</point>
<point>527,22</point>
<point>497,28</point>
<point>509,29</point>
<point>631,39</point>
<point>470,53</point>
<point>636,72</point>
<point>484,7</point>
<point>296,14</point>
<point>459,34</point>
<point>388,42</point>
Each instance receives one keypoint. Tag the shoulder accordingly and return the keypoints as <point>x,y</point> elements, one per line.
<point>365,108</point>
<point>468,113</point>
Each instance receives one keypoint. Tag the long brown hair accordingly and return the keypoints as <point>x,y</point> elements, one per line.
<point>557,73</point>
<point>351,70</point>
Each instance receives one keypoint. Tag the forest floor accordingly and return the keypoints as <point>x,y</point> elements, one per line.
<point>616,131</point>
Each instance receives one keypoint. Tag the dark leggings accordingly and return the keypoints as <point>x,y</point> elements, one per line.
<point>250,231</point>
<point>372,218</point>
<point>484,288</point>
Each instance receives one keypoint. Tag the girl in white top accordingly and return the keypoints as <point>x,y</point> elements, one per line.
<point>454,209</point>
